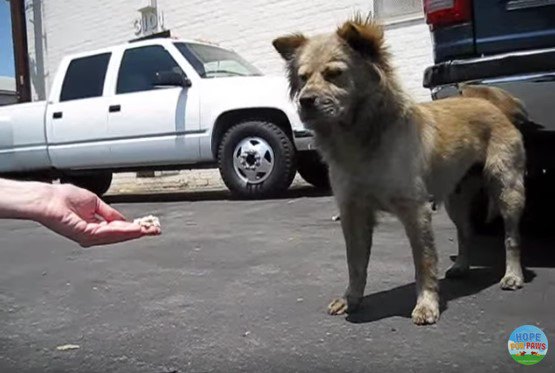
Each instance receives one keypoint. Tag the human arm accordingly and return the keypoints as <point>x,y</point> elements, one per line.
<point>69,211</point>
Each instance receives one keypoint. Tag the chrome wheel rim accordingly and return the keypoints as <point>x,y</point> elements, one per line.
<point>253,160</point>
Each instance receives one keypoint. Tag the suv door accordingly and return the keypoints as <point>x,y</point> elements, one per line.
<point>77,121</point>
<point>148,124</point>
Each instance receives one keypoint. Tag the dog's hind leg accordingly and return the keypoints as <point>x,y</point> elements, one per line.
<point>417,220</point>
<point>357,222</point>
<point>458,208</point>
<point>504,173</point>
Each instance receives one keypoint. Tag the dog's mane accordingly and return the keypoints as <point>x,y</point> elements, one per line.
<point>369,39</point>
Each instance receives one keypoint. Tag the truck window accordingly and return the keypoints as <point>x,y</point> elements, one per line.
<point>214,62</point>
<point>139,67</point>
<point>85,77</point>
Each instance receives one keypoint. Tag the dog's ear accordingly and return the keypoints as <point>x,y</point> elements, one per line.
<point>364,36</point>
<point>287,45</point>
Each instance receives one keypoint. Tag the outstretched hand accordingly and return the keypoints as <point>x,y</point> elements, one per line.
<point>84,218</point>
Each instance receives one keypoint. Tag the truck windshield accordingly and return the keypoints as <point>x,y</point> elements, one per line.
<point>214,62</point>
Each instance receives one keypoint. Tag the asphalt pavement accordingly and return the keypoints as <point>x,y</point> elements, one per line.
<point>242,286</point>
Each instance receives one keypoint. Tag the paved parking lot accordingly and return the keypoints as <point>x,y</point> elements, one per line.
<point>242,286</point>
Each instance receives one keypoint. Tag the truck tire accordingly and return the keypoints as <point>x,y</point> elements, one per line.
<point>538,211</point>
<point>256,159</point>
<point>37,177</point>
<point>313,170</point>
<point>97,183</point>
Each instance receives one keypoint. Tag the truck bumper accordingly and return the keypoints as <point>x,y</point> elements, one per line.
<point>527,75</point>
<point>491,67</point>
<point>537,91</point>
<point>304,140</point>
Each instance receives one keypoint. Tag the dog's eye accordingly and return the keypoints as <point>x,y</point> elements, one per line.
<point>332,73</point>
<point>303,77</point>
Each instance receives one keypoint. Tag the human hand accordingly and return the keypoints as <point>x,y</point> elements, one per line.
<point>81,216</point>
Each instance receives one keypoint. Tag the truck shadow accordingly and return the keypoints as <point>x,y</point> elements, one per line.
<point>207,195</point>
<point>537,251</point>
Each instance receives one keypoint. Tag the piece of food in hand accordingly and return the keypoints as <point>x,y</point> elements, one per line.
<point>148,221</point>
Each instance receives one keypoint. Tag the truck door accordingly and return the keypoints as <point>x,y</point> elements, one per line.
<point>149,124</point>
<point>77,120</point>
<point>512,25</point>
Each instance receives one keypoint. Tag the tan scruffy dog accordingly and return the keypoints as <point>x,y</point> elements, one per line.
<point>387,153</point>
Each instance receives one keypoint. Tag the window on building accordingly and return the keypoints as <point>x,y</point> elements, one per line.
<point>85,77</point>
<point>139,67</point>
<point>388,9</point>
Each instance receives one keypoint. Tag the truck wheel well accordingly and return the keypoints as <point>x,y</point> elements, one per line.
<point>228,119</point>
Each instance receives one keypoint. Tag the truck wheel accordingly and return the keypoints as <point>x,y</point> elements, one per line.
<point>37,177</point>
<point>538,211</point>
<point>256,160</point>
<point>97,183</point>
<point>313,170</point>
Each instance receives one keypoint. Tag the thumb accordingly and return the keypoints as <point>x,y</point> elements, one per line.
<point>108,213</point>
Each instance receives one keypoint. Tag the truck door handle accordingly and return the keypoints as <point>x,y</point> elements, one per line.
<point>57,115</point>
<point>114,108</point>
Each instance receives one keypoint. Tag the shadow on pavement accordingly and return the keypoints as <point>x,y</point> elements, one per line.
<point>487,253</point>
<point>207,195</point>
<point>401,300</point>
<point>537,251</point>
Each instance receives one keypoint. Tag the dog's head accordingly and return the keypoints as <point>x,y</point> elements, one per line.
<point>329,75</point>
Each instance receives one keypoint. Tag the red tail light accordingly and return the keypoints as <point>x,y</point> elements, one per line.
<point>447,12</point>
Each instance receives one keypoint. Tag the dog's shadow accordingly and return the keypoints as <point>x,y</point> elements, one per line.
<point>488,271</point>
<point>401,300</point>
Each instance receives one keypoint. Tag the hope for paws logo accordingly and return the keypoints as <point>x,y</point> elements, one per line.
<point>527,345</point>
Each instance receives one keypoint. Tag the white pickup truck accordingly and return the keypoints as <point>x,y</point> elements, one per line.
<point>160,104</point>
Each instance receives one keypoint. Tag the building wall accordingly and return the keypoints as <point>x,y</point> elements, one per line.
<point>57,28</point>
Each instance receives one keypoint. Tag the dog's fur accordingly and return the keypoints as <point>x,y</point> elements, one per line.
<point>387,153</point>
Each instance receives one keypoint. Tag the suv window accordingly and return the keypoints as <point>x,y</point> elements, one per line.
<point>139,67</point>
<point>85,77</point>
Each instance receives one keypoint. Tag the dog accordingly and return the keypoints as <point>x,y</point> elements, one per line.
<point>388,153</point>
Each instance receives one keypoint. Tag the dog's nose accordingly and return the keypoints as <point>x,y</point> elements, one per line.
<point>307,102</point>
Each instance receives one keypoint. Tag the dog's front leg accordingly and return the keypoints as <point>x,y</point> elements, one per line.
<point>417,220</point>
<point>357,222</point>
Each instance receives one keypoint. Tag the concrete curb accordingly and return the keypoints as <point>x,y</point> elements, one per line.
<point>178,181</point>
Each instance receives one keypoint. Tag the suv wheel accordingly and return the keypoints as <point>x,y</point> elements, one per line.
<point>97,183</point>
<point>256,160</point>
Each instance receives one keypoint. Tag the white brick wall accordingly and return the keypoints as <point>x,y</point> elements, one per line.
<point>245,26</point>
<point>411,47</point>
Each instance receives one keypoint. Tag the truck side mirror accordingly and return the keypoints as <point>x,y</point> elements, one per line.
<point>171,79</point>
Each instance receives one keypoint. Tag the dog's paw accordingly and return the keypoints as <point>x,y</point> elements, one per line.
<point>511,282</point>
<point>338,307</point>
<point>457,271</point>
<point>341,306</point>
<point>425,313</point>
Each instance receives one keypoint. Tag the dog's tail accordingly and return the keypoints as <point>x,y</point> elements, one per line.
<point>511,106</point>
